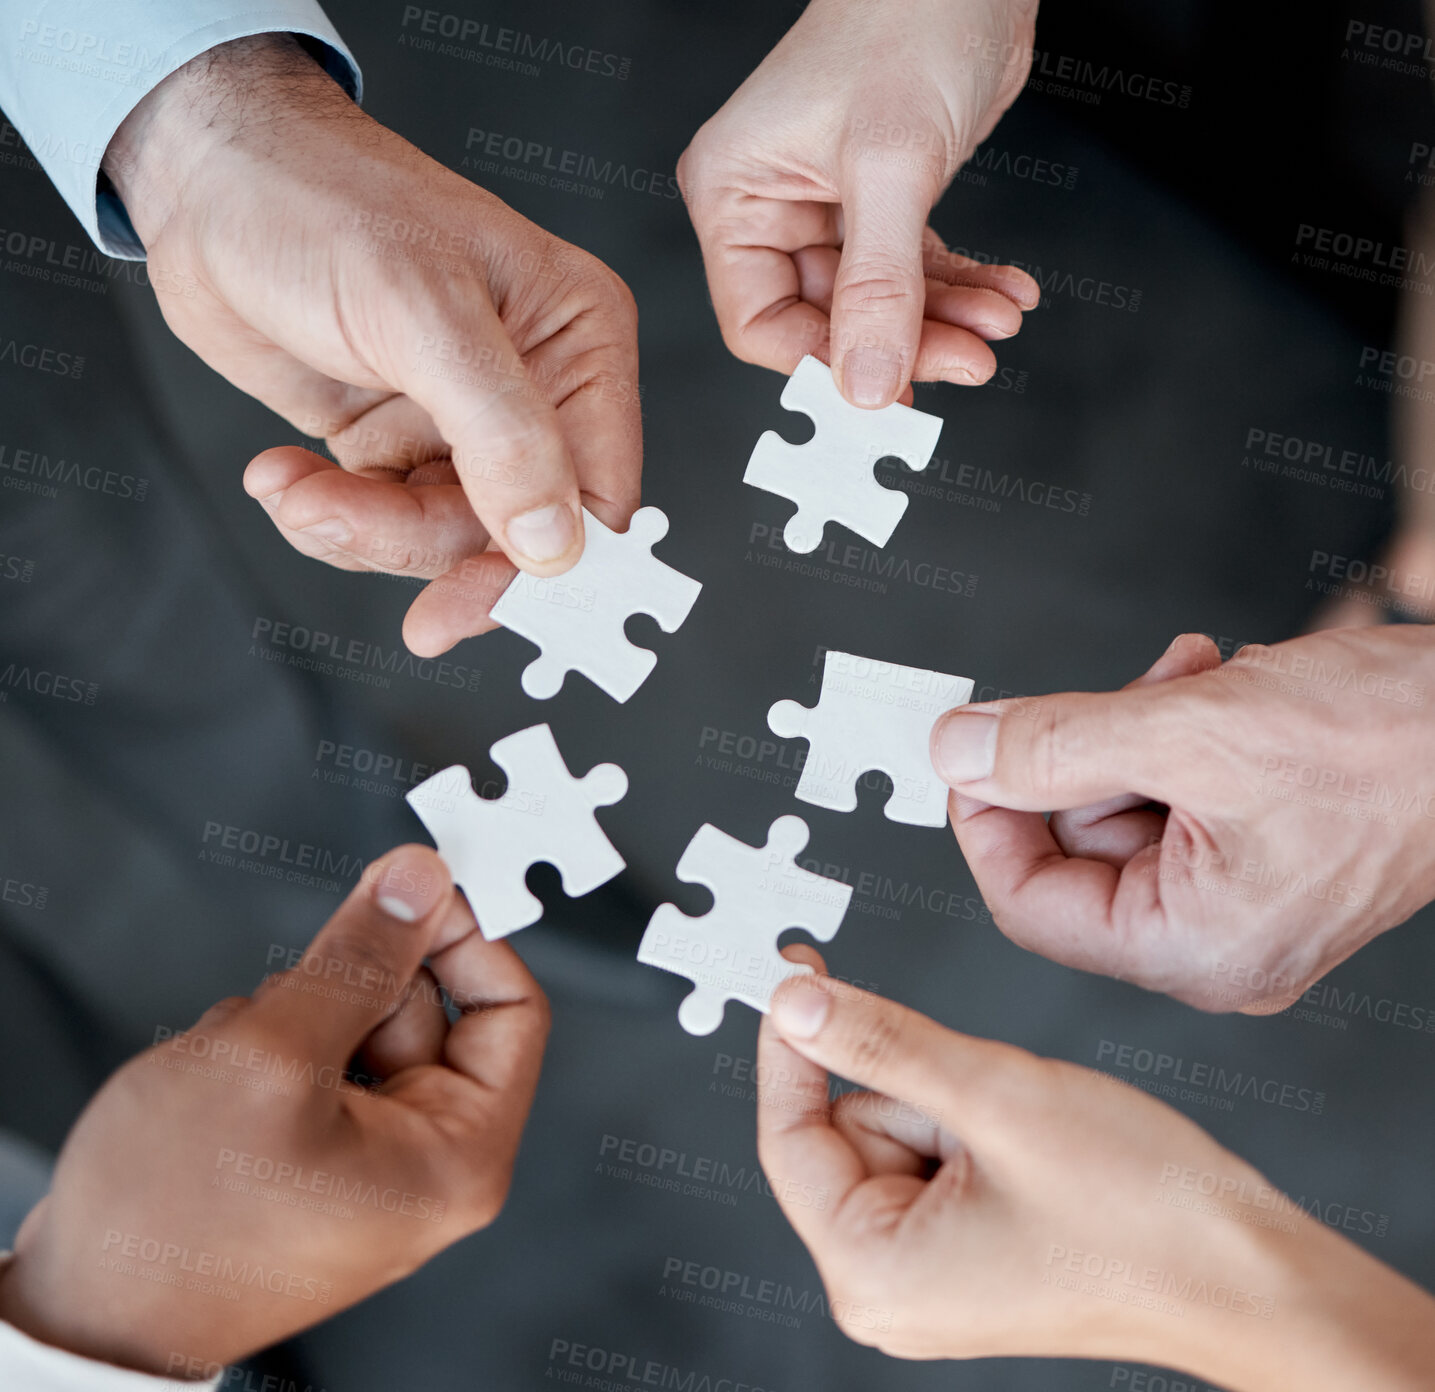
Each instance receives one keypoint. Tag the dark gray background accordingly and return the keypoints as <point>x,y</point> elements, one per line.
<point>1146,412</point>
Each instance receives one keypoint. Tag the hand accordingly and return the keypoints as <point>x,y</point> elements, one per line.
<point>475,377</point>
<point>810,191</point>
<point>230,1187</point>
<point>979,1201</point>
<point>1224,833</point>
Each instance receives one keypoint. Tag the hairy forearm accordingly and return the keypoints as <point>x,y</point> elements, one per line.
<point>245,92</point>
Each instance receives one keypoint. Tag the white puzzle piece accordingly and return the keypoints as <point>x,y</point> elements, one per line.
<point>577,618</point>
<point>830,477</point>
<point>730,952</point>
<point>873,715</point>
<point>545,814</point>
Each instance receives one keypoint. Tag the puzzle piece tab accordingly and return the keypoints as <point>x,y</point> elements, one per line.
<point>730,952</point>
<point>577,618</point>
<point>873,715</point>
<point>830,477</point>
<point>545,814</point>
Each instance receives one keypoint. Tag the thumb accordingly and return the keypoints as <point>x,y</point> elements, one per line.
<point>880,292</point>
<point>1049,753</point>
<point>501,427</point>
<point>895,1051</point>
<point>356,971</point>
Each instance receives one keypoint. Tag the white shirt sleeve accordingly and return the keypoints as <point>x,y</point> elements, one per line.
<point>72,70</point>
<point>27,1364</point>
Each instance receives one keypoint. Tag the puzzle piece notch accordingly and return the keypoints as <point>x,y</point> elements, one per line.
<point>873,715</point>
<point>577,618</point>
<point>545,814</point>
<point>830,477</point>
<point>759,892</point>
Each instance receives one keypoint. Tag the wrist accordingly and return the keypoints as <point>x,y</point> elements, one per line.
<point>1338,1319</point>
<point>1363,1323</point>
<point>62,1324</point>
<point>244,93</point>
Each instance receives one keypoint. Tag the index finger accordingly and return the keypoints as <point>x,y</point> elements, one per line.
<point>754,282</point>
<point>797,1142</point>
<point>890,1049</point>
<point>1083,913</point>
<point>493,1053</point>
<point>1085,909</point>
<point>590,372</point>
<point>364,522</point>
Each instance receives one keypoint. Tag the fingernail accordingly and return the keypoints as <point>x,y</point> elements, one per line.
<point>1023,290</point>
<point>964,746</point>
<point>871,377</point>
<point>272,500</point>
<point>802,1008</point>
<point>334,530</point>
<point>544,534</point>
<point>404,885</point>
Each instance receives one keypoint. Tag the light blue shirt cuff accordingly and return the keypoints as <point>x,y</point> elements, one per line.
<point>72,70</point>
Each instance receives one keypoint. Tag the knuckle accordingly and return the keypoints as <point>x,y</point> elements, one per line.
<point>409,560</point>
<point>364,953</point>
<point>248,1034</point>
<point>696,164</point>
<point>297,980</point>
<point>222,1013</point>
<point>1050,755</point>
<point>876,1040</point>
<point>767,1156</point>
<point>688,174</point>
<point>609,385</point>
<point>738,341</point>
<point>1200,646</point>
<point>1047,1081</point>
<point>625,302</point>
<point>857,1331</point>
<point>614,298</point>
<point>486,1197</point>
<point>1009,923</point>
<point>872,288</point>
<point>848,1107</point>
<point>598,284</point>
<point>1070,736</point>
<point>403,557</point>
<point>507,433</point>
<point>474,1185</point>
<point>1208,726</point>
<point>871,1283</point>
<point>541,1014</point>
